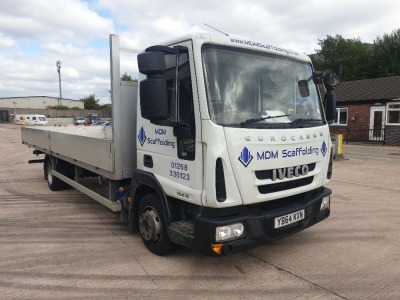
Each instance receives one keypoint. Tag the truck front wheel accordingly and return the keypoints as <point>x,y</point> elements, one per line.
<point>152,226</point>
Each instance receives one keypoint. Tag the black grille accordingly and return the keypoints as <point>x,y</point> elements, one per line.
<point>286,185</point>
<point>273,204</point>
<point>267,174</point>
<point>284,231</point>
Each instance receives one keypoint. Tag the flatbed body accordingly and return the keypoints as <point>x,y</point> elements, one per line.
<point>95,148</point>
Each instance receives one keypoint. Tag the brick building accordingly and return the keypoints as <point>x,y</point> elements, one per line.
<point>369,110</point>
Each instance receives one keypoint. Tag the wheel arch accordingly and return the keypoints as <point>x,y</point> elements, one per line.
<point>145,183</point>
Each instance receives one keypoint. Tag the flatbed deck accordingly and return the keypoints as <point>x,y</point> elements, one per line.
<point>90,147</point>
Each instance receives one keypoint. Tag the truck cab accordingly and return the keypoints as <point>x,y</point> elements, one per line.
<point>237,134</point>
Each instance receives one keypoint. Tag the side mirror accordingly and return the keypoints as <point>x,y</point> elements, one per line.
<point>151,63</point>
<point>183,130</point>
<point>303,88</point>
<point>330,80</point>
<point>330,106</point>
<point>154,99</point>
<point>328,77</point>
<point>153,90</point>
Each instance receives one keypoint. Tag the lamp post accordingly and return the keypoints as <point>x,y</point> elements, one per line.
<point>15,108</point>
<point>58,64</point>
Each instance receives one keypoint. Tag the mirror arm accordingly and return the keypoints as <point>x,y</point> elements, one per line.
<point>167,50</point>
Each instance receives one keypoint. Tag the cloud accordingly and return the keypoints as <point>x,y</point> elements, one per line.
<point>6,42</point>
<point>35,34</point>
<point>56,20</point>
<point>59,48</point>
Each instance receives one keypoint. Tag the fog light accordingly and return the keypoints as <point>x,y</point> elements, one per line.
<point>229,232</point>
<point>325,202</point>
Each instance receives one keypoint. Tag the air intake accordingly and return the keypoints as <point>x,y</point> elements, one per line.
<point>329,174</point>
<point>220,189</point>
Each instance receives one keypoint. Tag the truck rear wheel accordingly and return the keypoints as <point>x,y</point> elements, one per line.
<point>152,226</point>
<point>55,184</point>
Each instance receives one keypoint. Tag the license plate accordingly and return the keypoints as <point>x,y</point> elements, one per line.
<point>289,219</point>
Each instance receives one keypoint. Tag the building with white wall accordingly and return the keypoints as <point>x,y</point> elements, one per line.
<point>38,102</point>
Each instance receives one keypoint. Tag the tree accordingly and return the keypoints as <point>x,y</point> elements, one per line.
<point>350,59</point>
<point>91,103</point>
<point>386,54</point>
<point>126,77</point>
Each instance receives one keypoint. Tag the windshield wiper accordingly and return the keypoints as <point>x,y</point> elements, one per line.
<point>301,120</point>
<point>261,119</point>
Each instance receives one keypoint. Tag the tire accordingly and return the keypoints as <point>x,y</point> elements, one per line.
<point>152,226</point>
<point>45,168</point>
<point>54,183</point>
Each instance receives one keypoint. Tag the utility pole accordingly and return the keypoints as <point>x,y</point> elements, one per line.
<point>15,108</point>
<point>58,64</point>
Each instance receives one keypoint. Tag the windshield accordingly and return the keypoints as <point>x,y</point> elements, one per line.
<point>246,88</point>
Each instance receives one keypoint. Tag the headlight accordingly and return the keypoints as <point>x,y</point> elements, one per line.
<point>229,232</point>
<point>325,202</point>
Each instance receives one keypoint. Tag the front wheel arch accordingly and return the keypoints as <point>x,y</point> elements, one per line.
<point>146,183</point>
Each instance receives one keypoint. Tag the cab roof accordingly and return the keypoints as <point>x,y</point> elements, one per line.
<point>220,39</point>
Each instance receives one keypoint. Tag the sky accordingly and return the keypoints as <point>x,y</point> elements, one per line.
<point>34,35</point>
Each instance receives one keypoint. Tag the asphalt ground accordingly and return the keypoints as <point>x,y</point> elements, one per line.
<point>64,245</point>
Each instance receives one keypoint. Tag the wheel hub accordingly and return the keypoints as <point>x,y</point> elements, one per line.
<point>149,225</point>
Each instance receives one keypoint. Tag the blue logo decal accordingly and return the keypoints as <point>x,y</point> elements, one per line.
<point>142,136</point>
<point>324,148</point>
<point>245,157</point>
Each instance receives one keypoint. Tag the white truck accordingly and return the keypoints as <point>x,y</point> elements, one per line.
<point>223,145</point>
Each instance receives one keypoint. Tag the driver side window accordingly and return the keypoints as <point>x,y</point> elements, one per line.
<point>180,100</point>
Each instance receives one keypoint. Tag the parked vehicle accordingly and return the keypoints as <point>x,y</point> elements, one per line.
<point>92,119</point>
<point>31,120</point>
<point>214,153</point>
<point>20,119</point>
<point>101,123</point>
<point>79,121</point>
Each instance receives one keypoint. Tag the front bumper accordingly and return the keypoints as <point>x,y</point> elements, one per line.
<point>259,223</point>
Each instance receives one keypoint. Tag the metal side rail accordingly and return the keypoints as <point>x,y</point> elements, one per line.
<point>114,206</point>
